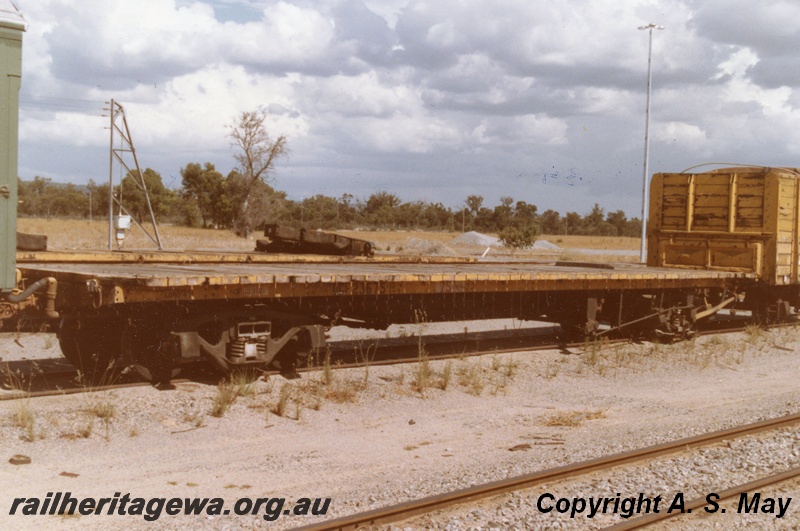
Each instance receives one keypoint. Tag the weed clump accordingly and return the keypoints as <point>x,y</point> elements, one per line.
<point>423,374</point>
<point>222,401</point>
<point>573,419</point>
<point>473,378</point>
<point>283,400</point>
<point>22,415</point>
<point>239,384</point>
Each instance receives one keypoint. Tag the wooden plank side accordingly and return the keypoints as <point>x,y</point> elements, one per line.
<point>710,179</point>
<point>673,212</point>
<point>673,223</point>
<point>715,189</point>
<point>752,179</point>
<point>675,179</point>
<point>743,201</point>
<point>712,201</point>
<point>709,219</point>
<point>675,200</point>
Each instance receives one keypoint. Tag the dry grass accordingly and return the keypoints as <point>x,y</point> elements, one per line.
<point>573,418</point>
<point>104,409</point>
<point>327,385</point>
<point>22,414</point>
<point>195,417</point>
<point>593,242</point>
<point>327,371</point>
<point>423,373</point>
<point>74,234</point>
<point>222,401</point>
<point>310,394</point>
<point>605,359</point>
<point>473,377</point>
<point>447,376</point>
<point>240,383</point>
<point>284,397</point>
<point>23,417</point>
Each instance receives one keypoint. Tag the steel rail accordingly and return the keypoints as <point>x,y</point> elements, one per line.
<point>403,511</point>
<point>91,389</point>
<point>19,395</point>
<point>412,358</point>
<point>697,503</point>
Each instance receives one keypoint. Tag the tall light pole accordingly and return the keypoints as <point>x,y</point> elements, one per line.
<point>650,27</point>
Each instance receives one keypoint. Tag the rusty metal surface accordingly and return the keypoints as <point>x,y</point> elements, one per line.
<point>286,239</point>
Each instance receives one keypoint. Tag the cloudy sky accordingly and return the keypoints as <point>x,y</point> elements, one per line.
<point>539,100</point>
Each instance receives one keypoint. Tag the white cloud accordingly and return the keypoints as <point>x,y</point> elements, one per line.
<point>287,35</point>
<point>367,94</point>
<point>521,131</point>
<point>737,64</point>
<point>407,134</point>
<point>689,134</point>
<point>72,129</point>
<point>400,90</point>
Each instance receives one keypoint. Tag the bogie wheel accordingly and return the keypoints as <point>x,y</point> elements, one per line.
<point>92,346</point>
<point>294,354</point>
<point>574,333</point>
<point>150,351</point>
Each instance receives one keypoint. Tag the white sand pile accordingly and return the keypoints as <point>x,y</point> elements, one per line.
<point>545,245</point>
<point>476,238</point>
<point>425,247</point>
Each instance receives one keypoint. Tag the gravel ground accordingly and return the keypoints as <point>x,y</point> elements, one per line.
<point>690,475</point>
<point>371,437</point>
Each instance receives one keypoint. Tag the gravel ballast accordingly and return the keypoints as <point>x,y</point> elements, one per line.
<point>376,436</point>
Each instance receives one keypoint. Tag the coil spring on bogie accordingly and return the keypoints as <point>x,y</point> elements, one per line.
<point>677,321</point>
<point>238,351</point>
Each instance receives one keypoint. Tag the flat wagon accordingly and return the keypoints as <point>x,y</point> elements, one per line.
<point>165,310</point>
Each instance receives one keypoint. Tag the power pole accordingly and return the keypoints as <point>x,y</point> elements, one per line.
<point>117,114</point>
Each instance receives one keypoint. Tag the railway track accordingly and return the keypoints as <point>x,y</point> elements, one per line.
<point>700,502</point>
<point>58,378</point>
<point>344,355</point>
<point>449,500</point>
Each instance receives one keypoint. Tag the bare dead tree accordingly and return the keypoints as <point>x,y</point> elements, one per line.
<point>256,156</point>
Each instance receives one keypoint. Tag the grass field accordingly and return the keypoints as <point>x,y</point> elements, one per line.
<point>71,234</point>
<point>83,235</point>
<point>616,243</point>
